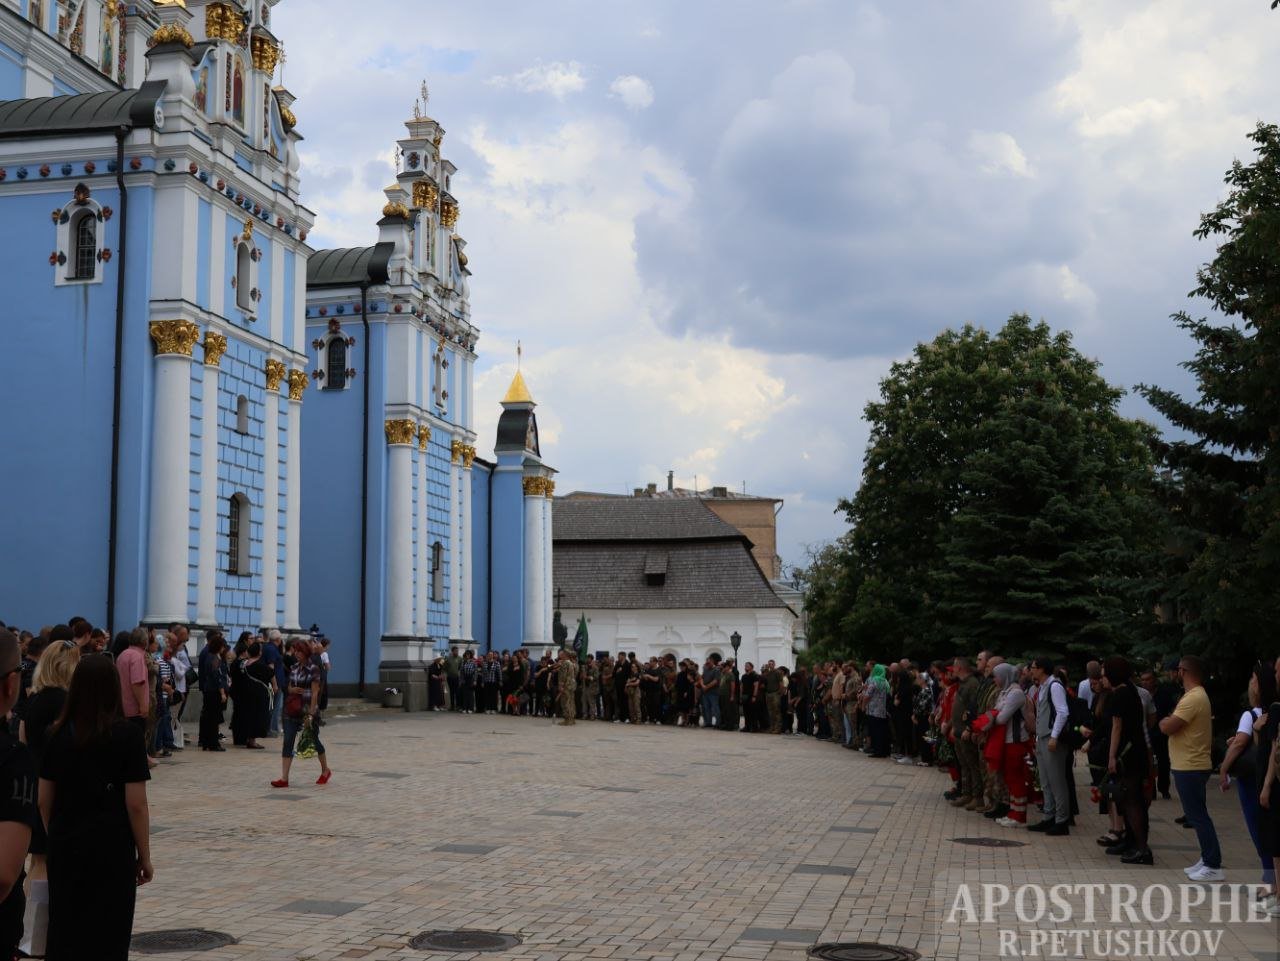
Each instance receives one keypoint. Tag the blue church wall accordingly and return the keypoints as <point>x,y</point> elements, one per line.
<point>65,338</point>
<point>240,470</point>
<point>11,73</point>
<point>330,519</point>
<point>204,230</point>
<point>507,587</point>
<point>481,479</point>
<point>438,470</point>
<point>61,88</point>
<point>264,282</point>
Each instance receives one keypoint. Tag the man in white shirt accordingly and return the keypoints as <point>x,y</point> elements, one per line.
<point>1093,672</point>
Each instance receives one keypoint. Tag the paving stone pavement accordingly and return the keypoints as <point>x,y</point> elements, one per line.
<point>584,845</point>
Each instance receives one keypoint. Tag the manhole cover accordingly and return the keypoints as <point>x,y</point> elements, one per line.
<point>862,951</point>
<point>989,842</point>
<point>187,939</point>
<point>463,941</point>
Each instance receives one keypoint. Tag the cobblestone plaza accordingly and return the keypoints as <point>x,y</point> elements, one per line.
<point>598,841</point>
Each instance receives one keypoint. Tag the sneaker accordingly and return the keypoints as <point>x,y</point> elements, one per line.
<point>1191,871</point>
<point>896,757</point>
<point>905,760</point>
<point>923,764</point>
<point>1008,823</point>
<point>1208,874</point>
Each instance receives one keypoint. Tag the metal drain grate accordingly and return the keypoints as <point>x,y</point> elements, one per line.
<point>989,842</point>
<point>187,939</point>
<point>862,951</point>
<point>463,941</point>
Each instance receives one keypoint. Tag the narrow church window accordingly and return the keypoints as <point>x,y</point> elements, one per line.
<point>335,374</point>
<point>437,571</point>
<point>85,253</point>
<point>244,278</point>
<point>238,535</point>
<point>242,414</point>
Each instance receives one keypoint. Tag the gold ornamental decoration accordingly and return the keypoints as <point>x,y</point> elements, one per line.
<point>172,33</point>
<point>275,373</point>
<point>455,451</point>
<point>223,22</point>
<point>265,54</point>
<point>449,214</point>
<point>298,381</point>
<point>215,345</point>
<point>424,436</point>
<point>549,488</point>
<point>395,208</point>
<point>425,195</point>
<point>248,230</point>
<point>174,336</point>
<point>468,456</point>
<point>401,432</point>
<point>287,118</point>
<point>536,486</point>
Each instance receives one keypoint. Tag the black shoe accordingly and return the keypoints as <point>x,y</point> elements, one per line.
<point>1138,857</point>
<point>950,795</point>
<point>1120,849</point>
<point>997,812</point>
<point>1181,820</point>
<point>1058,831</point>
<point>1041,827</point>
<point>217,747</point>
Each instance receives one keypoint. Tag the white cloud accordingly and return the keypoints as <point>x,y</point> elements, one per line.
<point>635,92</point>
<point>558,79</point>
<point>999,153</point>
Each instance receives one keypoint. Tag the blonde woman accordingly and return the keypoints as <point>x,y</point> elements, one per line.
<point>49,687</point>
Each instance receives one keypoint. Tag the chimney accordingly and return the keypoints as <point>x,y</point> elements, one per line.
<point>652,489</point>
<point>671,480</point>
<point>719,492</point>
<point>639,492</point>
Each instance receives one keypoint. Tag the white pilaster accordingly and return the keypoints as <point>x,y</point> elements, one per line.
<point>170,472</point>
<point>455,541</point>
<point>399,588</point>
<point>207,594</point>
<point>534,613</point>
<point>423,581</point>
<point>218,244</point>
<point>465,574</point>
<point>293,495</point>
<point>548,605</point>
<point>271,496</point>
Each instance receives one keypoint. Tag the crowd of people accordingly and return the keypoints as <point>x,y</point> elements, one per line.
<point>88,718</point>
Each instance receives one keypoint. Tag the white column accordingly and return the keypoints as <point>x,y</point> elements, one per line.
<point>466,573</point>
<point>271,496</point>
<point>399,611</point>
<point>423,581</point>
<point>547,601</point>
<point>207,578</point>
<point>534,613</point>
<point>456,449</point>
<point>293,494</point>
<point>169,516</point>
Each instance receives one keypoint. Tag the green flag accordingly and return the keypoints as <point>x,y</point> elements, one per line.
<point>580,638</point>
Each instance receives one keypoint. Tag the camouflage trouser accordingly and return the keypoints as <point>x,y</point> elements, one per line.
<point>835,717</point>
<point>633,704</point>
<point>773,703</point>
<point>568,708</point>
<point>589,703</point>
<point>971,765</point>
<point>997,789</point>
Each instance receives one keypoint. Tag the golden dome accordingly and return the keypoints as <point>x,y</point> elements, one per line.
<point>395,209</point>
<point>518,392</point>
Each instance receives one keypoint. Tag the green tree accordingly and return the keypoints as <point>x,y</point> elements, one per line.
<point>1223,475</point>
<point>828,580</point>
<point>952,400</point>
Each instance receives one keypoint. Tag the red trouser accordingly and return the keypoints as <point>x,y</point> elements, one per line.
<point>1014,770</point>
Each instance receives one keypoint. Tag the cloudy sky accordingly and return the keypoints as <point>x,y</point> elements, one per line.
<point>715,224</point>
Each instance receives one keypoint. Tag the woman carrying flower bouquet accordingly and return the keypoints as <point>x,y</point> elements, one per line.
<point>302,714</point>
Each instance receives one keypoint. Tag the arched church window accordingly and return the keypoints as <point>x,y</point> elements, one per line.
<point>244,278</point>
<point>238,535</point>
<point>237,93</point>
<point>242,414</point>
<point>437,571</point>
<point>84,247</point>
<point>335,363</point>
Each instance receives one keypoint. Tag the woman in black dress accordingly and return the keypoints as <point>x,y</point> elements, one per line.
<point>93,801</point>
<point>252,680</point>
<point>49,685</point>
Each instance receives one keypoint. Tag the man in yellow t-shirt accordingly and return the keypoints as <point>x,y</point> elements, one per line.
<point>1190,732</point>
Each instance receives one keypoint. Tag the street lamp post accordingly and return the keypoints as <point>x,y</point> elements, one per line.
<point>735,641</point>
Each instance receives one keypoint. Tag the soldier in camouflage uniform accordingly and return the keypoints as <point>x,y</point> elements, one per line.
<point>607,688</point>
<point>567,676</point>
<point>590,689</point>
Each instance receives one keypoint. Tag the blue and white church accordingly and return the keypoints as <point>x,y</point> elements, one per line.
<point>451,549</point>
<point>212,423</point>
